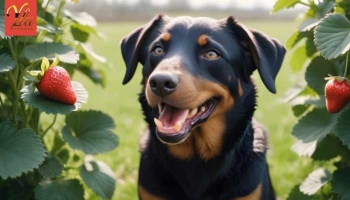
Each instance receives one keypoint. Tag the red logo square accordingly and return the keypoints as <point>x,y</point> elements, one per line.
<point>20,17</point>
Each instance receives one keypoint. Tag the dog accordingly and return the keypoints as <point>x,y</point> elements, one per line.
<point>198,100</point>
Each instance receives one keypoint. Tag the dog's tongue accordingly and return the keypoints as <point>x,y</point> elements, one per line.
<point>171,119</point>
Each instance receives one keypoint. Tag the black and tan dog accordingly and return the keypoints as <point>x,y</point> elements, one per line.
<point>198,100</point>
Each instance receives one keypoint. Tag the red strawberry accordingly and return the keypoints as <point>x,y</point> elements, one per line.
<point>337,92</point>
<point>55,84</point>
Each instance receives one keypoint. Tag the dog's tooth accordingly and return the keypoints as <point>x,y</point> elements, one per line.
<point>192,112</point>
<point>178,126</point>
<point>158,123</point>
<point>202,109</point>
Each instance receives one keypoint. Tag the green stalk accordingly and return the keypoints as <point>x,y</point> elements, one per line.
<point>305,4</point>
<point>1,105</point>
<point>50,126</point>
<point>346,64</point>
<point>13,82</point>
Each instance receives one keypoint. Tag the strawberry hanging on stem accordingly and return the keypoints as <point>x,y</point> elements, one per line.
<point>53,82</point>
<point>337,91</point>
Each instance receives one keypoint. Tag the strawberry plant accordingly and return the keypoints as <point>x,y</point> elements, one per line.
<point>320,100</point>
<point>47,140</point>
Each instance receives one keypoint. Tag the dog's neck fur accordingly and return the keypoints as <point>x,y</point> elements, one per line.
<point>237,149</point>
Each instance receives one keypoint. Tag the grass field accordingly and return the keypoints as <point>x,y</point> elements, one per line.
<point>119,101</point>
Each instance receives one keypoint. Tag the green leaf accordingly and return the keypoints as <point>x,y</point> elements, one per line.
<point>99,177</point>
<point>343,126</point>
<point>311,129</point>
<point>315,181</point>
<point>324,152</point>
<point>82,18</point>
<point>298,59</point>
<point>6,63</point>
<point>96,75</point>
<point>341,183</point>
<point>32,97</point>
<point>91,52</point>
<point>299,110</point>
<point>90,131</point>
<point>282,4</point>
<point>50,168</point>
<point>59,190</point>
<point>44,25</point>
<point>318,69</point>
<point>20,150</point>
<point>332,36</point>
<point>295,194</point>
<point>79,34</point>
<point>2,20</point>
<point>308,24</point>
<point>65,53</point>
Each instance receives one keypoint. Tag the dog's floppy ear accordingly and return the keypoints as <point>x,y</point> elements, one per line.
<point>131,45</point>
<point>267,53</point>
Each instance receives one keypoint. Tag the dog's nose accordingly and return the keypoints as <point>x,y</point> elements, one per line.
<point>163,84</point>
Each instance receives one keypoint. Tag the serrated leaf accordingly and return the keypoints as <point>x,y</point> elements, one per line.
<point>49,50</point>
<point>295,194</point>
<point>96,75</point>
<point>20,150</point>
<point>32,97</point>
<point>324,152</point>
<point>78,34</point>
<point>6,63</point>
<point>82,18</point>
<point>318,69</point>
<point>283,4</point>
<point>343,126</point>
<point>99,177</point>
<point>2,20</point>
<point>308,24</point>
<point>92,53</point>
<point>44,25</point>
<point>332,36</point>
<point>90,131</point>
<point>315,180</point>
<point>298,59</point>
<point>50,168</point>
<point>311,129</point>
<point>341,183</point>
<point>58,190</point>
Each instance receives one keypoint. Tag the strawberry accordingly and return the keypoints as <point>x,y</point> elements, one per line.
<point>54,82</point>
<point>56,85</point>
<point>337,92</point>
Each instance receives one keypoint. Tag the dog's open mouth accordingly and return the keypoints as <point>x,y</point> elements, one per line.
<point>174,124</point>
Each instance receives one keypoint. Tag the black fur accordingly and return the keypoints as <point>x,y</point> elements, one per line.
<point>239,168</point>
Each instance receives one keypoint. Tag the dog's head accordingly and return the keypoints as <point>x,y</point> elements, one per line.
<point>194,69</point>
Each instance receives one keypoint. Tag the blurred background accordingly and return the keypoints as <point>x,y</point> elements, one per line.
<point>116,18</point>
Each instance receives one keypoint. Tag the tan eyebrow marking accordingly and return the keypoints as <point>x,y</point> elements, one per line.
<point>166,36</point>
<point>202,40</point>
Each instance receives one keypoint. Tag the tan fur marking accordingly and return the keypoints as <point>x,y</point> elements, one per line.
<point>145,195</point>
<point>255,195</point>
<point>240,89</point>
<point>202,40</point>
<point>166,36</point>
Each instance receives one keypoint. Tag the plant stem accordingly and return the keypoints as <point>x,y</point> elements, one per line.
<point>305,4</point>
<point>48,128</point>
<point>346,64</point>
<point>12,77</point>
<point>1,105</point>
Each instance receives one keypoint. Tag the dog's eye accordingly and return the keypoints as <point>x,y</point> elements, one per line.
<point>211,55</point>
<point>158,50</point>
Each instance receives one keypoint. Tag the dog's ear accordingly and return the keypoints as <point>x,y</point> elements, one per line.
<point>131,45</point>
<point>267,53</point>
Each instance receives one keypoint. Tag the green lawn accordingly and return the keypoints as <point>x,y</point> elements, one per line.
<point>121,103</point>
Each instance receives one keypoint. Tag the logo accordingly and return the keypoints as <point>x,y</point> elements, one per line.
<point>20,17</point>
